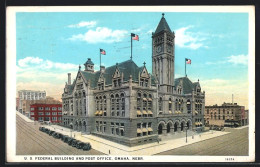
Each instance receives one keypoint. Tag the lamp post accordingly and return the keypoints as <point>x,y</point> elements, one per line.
<point>186,134</point>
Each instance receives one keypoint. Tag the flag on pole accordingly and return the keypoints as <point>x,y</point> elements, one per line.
<point>188,61</point>
<point>102,51</point>
<point>135,37</point>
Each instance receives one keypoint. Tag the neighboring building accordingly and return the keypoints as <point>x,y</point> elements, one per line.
<point>28,95</point>
<point>227,114</point>
<point>26,104</point>
<point>46,112</point>
<point>126,104</point>
<point>245,118</point>
<point>17,103</point>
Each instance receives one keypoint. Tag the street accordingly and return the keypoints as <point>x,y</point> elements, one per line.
<point>31,141</point>
<point>233,144</point>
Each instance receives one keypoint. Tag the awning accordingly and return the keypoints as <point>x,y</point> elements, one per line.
<point>96,113</point>
<point>170,101</point>
<point>150,112</point>
<point>139,112</point>
<point>196,112</point>
<point>170,112</point>
<point>188,102</point>
<point>139,130</point>
<point>144,99</point>
<point>150,129</point>
<point>144,112</point>
<point>149,99</point>
<point>100,112</point>
<point>144,130</point>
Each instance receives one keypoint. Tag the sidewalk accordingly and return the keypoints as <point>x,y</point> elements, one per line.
<point>105,146</point>
<point>24,117</point>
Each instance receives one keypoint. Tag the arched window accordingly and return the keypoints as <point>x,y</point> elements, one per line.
<point>112,101</point>
<point>85,110</point>
<point>122,104</point>
<point>176,104</point>
<point>179,108</point>
<point>160,104</point>
<point>139,101</point>
<point>105,105</point>
<point>144,102</point>
<point>170,104</point>
<point>77,112</point>
<point>117,105</point>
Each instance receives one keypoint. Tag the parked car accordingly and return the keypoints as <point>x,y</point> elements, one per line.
<point>74,143</point>
<point>80,145</point>
<point>51,132</point>
<point>70,141</point>
<point>86,147</point>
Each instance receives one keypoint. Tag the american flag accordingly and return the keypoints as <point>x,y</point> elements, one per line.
<point>135,37</point>
<point>102,51</point>
<point>188,61</point>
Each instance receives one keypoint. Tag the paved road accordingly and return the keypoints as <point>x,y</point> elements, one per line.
<point>233,144</point>
<point>31,141</point>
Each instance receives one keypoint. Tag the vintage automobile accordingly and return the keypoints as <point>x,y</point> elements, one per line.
<point>74,143</point>
<point>51,132</point>
<point>86,147</point>
<point>70,140</point>
<point>80,145</point>
<point>63,138</point>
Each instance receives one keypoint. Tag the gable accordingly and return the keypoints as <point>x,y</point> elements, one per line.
<point>116,73</point>
<point>144,73</point>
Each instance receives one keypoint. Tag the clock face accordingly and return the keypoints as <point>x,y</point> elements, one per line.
<point>158,49</point>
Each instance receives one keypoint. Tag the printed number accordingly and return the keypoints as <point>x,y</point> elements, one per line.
<point>229,159</point>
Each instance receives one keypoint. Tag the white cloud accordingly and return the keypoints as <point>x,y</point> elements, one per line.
<point>101,35</point>
<point>38,63</point>
<point>239,59</point>
<point>29,60</point>
<point>88,24</point>
<point>186,39</point>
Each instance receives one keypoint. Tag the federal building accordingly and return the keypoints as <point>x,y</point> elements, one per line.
<point>126,104</point>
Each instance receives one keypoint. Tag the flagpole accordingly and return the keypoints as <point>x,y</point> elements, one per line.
<point>185,67</point>
<point>131,46</point>
<point>100,58</point>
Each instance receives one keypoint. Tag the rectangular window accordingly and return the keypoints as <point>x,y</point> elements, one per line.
<point>32,113</point>
<point>41,113</point>
<point>32,118</point>
<point>59,108</point>
<point>47,113</point>
<point>47,108</point>
<point>32,109</point>
<point>59,113</point>
<point>54,113</point>
<point>54,118</point>
<point>53,108</point>
<point>59,118</point>
<point>40,118</point>
<point>40,108</point>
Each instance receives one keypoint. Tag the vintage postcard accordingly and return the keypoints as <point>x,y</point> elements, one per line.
<point>131,84</point>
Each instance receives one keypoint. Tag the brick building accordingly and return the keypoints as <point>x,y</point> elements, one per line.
<point>228,114</point>
<point>46,112</point>
<point>25,104</point>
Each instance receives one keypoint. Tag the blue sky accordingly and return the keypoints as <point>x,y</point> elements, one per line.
<point>51,44</point>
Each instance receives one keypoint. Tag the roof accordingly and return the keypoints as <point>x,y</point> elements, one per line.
<point>162,26</point>
<point>127,68</point>
<point>89,61</point>
<point>187,84</point>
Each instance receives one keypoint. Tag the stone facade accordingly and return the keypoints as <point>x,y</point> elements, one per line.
<point>126,104</point>
<point>227,114</point>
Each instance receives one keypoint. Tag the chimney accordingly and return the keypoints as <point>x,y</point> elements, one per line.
<point>69,78</point>
<point>102,69</point>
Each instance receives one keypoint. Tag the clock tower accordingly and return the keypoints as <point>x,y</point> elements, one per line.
<point>163,55</point>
